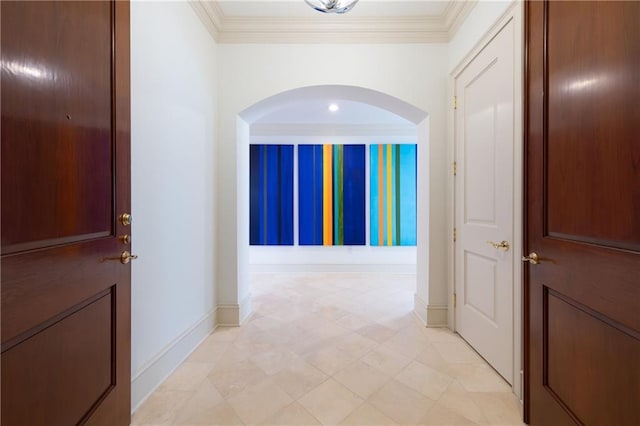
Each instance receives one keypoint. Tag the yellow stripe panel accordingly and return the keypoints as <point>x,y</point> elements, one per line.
<point>327,195</point>
<point>389,215</point>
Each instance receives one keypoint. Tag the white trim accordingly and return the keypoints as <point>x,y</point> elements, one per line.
<point>514,12</point>
<point>330,29</point>
<point>234,315</point>
<point>437,316</point>
<point>151,375</point>
<point>356,268</point>
<point>420,308</point>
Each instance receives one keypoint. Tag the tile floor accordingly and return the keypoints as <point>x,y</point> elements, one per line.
<point>332,349</point>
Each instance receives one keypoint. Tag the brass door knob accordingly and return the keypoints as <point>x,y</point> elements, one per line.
<point>502,245</point>
<point>126,257</point>
<point>125,219</point>
<point>125,239</point>
<point>533,258</point>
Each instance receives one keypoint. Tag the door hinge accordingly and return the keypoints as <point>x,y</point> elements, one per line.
<point>455,102</point>
<point>455,168</point>
<point>455,300</point>
<point>455,234</point>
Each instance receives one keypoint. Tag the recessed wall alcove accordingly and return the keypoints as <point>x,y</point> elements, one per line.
<point>402,121</point>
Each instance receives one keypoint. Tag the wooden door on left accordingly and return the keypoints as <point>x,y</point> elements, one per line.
<point>65,182</point>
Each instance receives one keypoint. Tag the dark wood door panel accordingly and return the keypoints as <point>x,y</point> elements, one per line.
<point>56,111</point>
<point>593,123</point>
<point>607,353</point>
<point>58,376</point>
<point>65,295</point>
<point>582,213</point>
<point>39,286</point>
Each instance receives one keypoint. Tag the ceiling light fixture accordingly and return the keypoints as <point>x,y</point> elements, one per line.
<point>333,107</point>
<point>332,6</point>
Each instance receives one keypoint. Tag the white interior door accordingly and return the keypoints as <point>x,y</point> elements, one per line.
<point>484,123</point>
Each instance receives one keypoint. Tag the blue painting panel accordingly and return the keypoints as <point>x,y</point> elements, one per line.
<point>271,195</point>
<point>310,195</point>
<point>354,195</point>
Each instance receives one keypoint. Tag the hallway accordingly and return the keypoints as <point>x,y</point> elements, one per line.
<point>332,349</point>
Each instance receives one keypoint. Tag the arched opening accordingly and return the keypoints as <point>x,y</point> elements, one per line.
<point>328,93</point>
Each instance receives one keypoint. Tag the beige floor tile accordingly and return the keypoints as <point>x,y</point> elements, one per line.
<point>429,382</point>
<point>275,360</point>
<point>299,379</point>
<point>257,403</point>
<point>209,351</point>
<point>160,408</point>
<point>234,378</point>
<point>330,402</point>
<point>386,360</point>
<point>430,357</point>
<point>361,378</point>
<point>367,415</point>
<point>440,415</point>
<point>221,414</point>
<point>292,414</point>
<point>377,332</point>
<point>441,335</point>
<point>499,408</point>
<point>354,345</point>
<point>358,328</point>
<point>226,334</point>
<point>400,403</point>
<point>197,406</point>
<point>484,379</point>
<point>458,400</point>
<point>187,377</point>
<point>352,322</point>
<point>329,359</point>
<point>458,352</point>
<point>408,342</point>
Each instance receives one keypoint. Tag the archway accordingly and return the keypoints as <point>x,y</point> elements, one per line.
<point>237,313</point>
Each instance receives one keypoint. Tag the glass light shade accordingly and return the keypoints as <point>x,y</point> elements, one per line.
<point>332,6</point>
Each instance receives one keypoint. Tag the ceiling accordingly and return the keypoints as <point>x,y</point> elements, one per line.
<point>370,21</point>
<point>317,112</point>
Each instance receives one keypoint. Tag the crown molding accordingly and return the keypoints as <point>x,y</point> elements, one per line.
<point>332,29</point>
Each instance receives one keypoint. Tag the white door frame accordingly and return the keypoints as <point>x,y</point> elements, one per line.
<point>513,13</point>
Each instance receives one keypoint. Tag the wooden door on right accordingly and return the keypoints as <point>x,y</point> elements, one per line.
<point>582,207</point>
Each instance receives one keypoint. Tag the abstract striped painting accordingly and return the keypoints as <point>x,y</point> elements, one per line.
<point>271,195</point>
<point>393,195</point>
<point>331,195</point>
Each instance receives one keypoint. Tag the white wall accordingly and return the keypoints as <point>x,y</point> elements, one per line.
<point>250,73</point>
<point>173,132</point>
<point>480,19</point>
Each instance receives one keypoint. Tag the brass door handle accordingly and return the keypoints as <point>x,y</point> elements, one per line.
<point>503,245</point>
<point>533,258</point>
<point>125,219</point>
<point>124,258</point>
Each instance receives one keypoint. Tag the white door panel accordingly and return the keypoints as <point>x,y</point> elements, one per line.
<point>484,201</point>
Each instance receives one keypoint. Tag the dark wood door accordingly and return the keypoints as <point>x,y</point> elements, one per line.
<point>65,179</point>
<point>583,212</point>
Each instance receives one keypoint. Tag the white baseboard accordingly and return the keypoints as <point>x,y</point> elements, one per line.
<point>153,373</point>
<point>234,315</point>
<point>437,316</point>
<point>337,267</point>
<point>420,308</point>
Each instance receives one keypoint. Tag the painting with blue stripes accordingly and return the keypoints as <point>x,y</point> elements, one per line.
<point>393,194</point>
<point>331,195</point>
<point>271,195</point>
